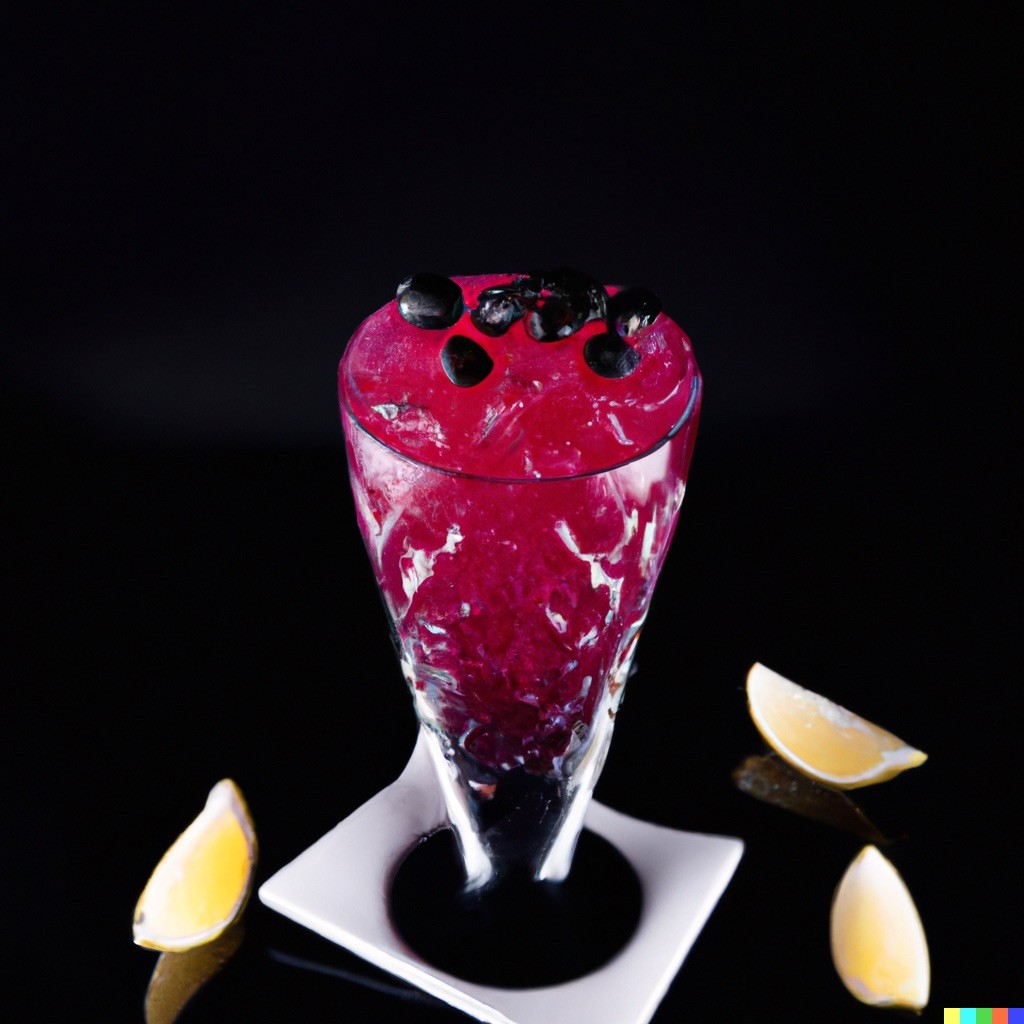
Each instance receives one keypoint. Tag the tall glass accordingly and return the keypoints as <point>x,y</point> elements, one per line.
<point>516,605</point>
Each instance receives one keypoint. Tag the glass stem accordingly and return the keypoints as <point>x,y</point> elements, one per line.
<point>555,866</point>
<point>514,821</point>
<point>475,857</point>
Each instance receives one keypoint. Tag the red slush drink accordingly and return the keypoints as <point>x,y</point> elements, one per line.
<point>518,448</point>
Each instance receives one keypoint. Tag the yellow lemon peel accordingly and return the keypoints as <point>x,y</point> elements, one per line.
<point>878,943</point>
<point>821,739</point>
<point>203,882</point>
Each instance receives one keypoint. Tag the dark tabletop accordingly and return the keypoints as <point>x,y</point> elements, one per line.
<point>205,207</point>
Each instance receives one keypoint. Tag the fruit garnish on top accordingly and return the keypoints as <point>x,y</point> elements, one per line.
<point>520,376</point>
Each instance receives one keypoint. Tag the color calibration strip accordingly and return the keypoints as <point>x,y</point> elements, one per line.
<point>983,1015</point>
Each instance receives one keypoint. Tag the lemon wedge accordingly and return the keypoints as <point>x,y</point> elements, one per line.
<point>878,943</point>
<point>203,881</point>
<point>822,739</point>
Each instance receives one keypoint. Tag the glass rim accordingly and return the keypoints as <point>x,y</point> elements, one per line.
<point>696,388</point>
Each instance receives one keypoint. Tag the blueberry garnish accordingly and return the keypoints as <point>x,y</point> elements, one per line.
<point>586,295</point>
<point>528,288</point>
<point>553,318</point>
<point>498,309</point>
<point>465,362</point>
<point>631,309</point>
<point>561,302</point>
<point>430,300</point>
<point>609,356</point>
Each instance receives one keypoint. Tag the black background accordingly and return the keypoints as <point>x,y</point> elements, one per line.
<point>206,202</point>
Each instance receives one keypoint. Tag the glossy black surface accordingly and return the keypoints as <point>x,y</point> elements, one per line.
<point>204,207</point>
<point>517,933</point>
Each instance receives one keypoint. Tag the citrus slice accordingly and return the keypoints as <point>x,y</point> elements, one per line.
<point>878,943</point>
<point>822,739</point>
<point>203,881</point>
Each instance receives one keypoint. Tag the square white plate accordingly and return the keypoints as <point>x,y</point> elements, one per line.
<point>339,889</point>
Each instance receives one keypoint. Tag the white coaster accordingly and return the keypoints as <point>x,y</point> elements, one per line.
<point>338,888</point>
